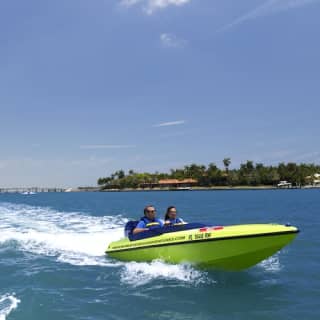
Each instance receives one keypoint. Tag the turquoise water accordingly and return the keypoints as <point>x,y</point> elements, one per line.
<point>52,263</point>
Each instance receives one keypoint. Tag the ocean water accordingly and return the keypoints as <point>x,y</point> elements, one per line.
<point>53,266</point>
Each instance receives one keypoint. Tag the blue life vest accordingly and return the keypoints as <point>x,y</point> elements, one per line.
<point>172,222</point>
<point>131,225</point>
<point>156,223</point>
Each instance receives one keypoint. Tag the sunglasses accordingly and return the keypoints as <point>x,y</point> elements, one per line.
<point>151,211</point>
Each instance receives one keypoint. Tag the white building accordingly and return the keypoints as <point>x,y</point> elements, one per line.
<point>314,180</point>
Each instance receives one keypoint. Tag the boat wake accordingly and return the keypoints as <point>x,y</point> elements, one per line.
<point>138,274</point>
<point>73,238</point>
<point>7,304</point>
<point>79,239</point>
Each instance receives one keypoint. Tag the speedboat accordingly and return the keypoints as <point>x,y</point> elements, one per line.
<point>230,248</point>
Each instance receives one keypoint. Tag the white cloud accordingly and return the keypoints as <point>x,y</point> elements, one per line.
<point>106,146</point>
<point>267,8</point>
<point>150,6</point>
<point>171,123</point>
<point>129,3</point>
<point>171,41</point>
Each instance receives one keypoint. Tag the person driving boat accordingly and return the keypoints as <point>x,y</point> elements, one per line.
<point>148,221</point>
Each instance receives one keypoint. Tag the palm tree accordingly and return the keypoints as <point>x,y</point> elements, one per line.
<point>226,163</point>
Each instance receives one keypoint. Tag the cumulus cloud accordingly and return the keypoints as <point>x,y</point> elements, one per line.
<point>150,6</point>
<point>169,40</point>
<point>267,8</point>
<point>170,123</point>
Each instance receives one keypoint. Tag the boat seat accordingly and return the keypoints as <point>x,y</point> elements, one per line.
<point>158,231</point>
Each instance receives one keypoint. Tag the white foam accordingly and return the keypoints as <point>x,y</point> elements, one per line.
<point>7,304</point>
<point>72,237</point>
<point>137,274</point>
<point>272,264</point>
<point>86,260</point>
<point>80,239</point>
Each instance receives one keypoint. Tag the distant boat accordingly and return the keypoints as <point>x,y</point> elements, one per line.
<point>181,189</point>
<point>27,192</point>
<point>284,184</point>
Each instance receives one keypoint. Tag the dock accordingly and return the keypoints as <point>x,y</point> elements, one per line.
<point>30,190</point>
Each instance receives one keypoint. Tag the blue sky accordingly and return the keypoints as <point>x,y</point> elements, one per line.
<point>90,87</point>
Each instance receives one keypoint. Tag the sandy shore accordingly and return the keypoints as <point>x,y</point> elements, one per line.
<point>195,188</point>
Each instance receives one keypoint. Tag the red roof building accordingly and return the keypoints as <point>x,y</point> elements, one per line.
<point>171,183</point>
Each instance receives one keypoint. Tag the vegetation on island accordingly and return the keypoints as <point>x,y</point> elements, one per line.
<point>248,174</point>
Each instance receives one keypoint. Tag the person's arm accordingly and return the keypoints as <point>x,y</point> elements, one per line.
<point>180,221</point>
<point>137,230</point>
<point>141,226</point>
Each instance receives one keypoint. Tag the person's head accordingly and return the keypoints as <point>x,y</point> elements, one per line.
<point>171,213</point>
<point>150,212</point>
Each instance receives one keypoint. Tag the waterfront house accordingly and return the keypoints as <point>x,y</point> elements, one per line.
<point>314,180</point>
<point>175,183</point>
<point>171,184</point>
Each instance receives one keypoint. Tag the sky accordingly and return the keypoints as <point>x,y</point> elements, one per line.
<point>90,87</point>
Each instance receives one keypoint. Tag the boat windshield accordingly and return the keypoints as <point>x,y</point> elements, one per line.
<point>166,229</point>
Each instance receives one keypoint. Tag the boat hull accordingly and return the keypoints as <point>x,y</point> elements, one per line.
<point>228,248</point>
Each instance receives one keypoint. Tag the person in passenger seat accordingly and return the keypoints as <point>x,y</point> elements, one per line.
<point>171,219</point>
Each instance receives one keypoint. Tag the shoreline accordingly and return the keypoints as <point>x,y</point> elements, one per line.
<point>218,188</point>
<point>214,188</point>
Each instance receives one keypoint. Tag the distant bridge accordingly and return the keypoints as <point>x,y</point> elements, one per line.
<point>30,190</point>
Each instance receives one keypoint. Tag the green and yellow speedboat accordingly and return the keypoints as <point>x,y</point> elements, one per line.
<point>228,248</point>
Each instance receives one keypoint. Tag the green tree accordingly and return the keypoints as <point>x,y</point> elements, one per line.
<point>214,174</point>
<point>247,174</point>
<point>226,163</point>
